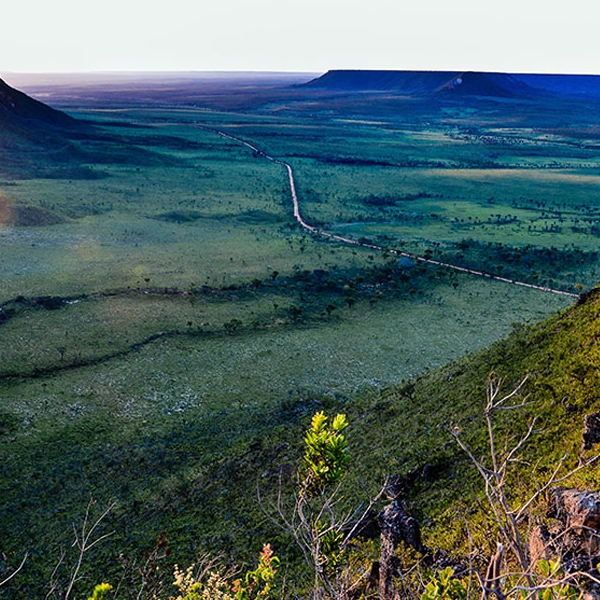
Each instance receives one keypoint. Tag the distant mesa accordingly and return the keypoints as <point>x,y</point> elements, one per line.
<point>570,85</point>
<point>457,83</point>
<point>499,85</point>
<point>424,83</point>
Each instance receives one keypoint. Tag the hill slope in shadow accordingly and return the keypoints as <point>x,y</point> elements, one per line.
<point>33,136</point>
<point>19,108</point>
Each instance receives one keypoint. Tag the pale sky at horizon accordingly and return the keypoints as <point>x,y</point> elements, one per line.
<point>305,35</point>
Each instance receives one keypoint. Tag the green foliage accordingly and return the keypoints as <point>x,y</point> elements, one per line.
<point>333,551</point>
<point>552,584</point>
<point>445,587</point>
<point>326,454</point>
<point>209,581</point>
<point>100,591</point>
<point>321,523</point>
<point>257,584</point>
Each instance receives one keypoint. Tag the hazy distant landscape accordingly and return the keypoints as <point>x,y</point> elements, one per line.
<point>161,307</point>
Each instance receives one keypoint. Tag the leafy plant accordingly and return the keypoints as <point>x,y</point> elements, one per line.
<point>554,584</point>
<point>445,587</point>
<point>100,591</point>
<point>257,584</point>
<point>319,526</point>
<point>209,580</point>
<point>326,454</point>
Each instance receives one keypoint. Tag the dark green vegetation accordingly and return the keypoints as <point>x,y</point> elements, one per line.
<point>167,329</point>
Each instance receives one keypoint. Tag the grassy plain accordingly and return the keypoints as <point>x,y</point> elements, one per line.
<point>173,312</point>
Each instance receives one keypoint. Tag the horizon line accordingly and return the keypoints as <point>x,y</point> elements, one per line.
<point>176,71</point>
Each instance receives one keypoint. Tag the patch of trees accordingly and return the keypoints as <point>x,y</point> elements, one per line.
<point>530,255</point>
<point>179,216</point>
<point>21,303</point>
<point>387,200</point>
<point>357,161</point>
<point>518,262</point>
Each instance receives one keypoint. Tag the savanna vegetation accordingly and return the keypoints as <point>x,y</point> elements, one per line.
<point>168,330</point>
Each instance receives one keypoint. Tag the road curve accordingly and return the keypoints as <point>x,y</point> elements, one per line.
<point>345,240</point>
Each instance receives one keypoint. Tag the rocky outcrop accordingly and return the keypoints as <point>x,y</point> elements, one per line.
<point>574,532</point>
<point>397,527</point>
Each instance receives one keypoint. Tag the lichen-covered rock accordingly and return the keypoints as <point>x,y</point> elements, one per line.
<point>541,544</point>
<point>574,534</point>
<point>576,509</point>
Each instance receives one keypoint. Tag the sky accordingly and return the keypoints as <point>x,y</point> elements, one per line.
<point>40,36</point>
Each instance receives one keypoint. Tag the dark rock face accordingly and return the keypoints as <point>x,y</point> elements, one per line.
<point>591,431</point>
<point>540,543</point>
<point>578,510</point>
<point>398,526</point>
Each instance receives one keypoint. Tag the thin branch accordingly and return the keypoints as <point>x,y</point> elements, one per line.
<point>53,582</point>
<point>83,542</point>
<point>16,571</point>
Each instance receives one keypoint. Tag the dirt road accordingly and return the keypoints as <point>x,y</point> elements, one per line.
<point>345,240</point>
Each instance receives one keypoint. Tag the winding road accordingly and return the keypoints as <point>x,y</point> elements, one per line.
<point>346,240</point>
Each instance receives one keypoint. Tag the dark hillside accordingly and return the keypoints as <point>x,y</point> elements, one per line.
<point>34,138</point>
<point>17,107</point>
<point>38,141</point>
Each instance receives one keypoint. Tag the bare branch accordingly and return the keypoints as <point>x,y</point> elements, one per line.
<point>16,571</point>
<point>82,541</point>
